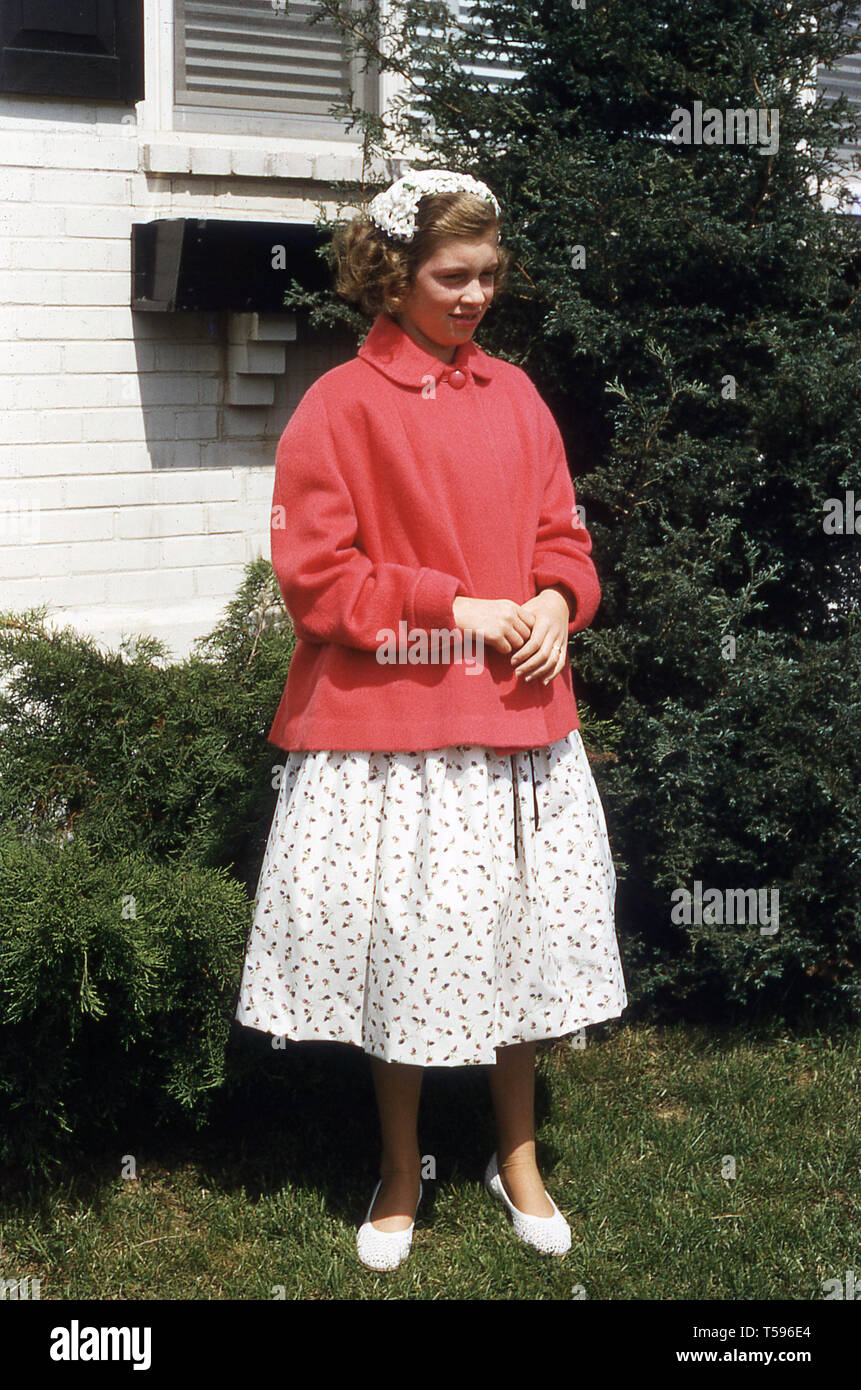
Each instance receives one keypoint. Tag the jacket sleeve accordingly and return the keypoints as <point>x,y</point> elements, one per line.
<point>562,545</point>
<point>331,589</point>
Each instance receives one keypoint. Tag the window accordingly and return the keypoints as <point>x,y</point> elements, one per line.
<point>265,56</point>
<point>845,76</point>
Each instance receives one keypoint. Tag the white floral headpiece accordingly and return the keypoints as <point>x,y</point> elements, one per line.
<point>394,210</point>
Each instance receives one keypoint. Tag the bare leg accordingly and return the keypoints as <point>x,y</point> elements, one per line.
<point>398,1088</point>
<point>512,1086</point>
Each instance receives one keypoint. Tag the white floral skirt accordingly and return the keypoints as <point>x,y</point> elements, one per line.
<point>431,906</point>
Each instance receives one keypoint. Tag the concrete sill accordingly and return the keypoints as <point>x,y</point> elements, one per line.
<point>248,161</point>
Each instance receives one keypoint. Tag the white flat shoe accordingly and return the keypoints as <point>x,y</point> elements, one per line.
<point>384,1249</point>
<point>550,1234</point>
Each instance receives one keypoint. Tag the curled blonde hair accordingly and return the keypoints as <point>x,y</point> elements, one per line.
<point>376,272</point>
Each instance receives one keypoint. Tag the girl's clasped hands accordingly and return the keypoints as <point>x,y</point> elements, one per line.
<point>536,632</point>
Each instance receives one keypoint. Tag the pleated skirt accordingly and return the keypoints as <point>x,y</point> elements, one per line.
<point>432,906</point>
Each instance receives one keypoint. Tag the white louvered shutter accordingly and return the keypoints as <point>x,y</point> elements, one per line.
<point>260,55</point>
<point>494,69</point>
<point>845,76</point>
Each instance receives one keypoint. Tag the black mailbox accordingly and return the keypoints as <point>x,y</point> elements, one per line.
<point>216,264</point>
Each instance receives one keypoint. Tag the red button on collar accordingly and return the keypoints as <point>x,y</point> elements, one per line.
<point>456,379</point>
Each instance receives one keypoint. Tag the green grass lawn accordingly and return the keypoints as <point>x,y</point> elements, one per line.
<point>634,1131</point>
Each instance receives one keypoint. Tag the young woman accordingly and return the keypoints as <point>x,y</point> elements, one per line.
<point>438,887</point>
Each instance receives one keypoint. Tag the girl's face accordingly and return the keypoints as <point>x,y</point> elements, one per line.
<point>451,292</point>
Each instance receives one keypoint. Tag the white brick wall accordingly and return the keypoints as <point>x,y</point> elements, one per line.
<point>131,495</point>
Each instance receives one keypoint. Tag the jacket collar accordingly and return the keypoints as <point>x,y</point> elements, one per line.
<point>394,353</point>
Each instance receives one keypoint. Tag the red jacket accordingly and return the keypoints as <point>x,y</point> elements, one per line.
<point>398,487</point>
